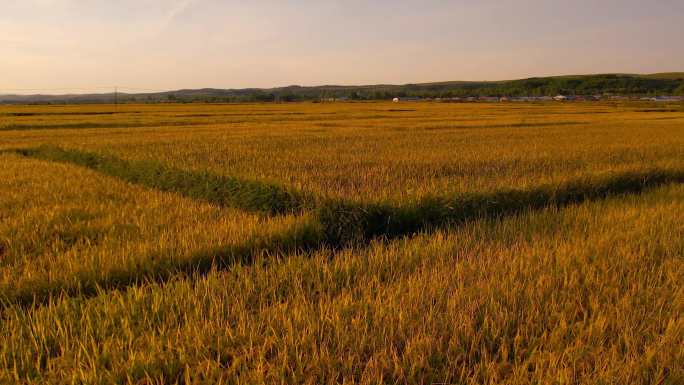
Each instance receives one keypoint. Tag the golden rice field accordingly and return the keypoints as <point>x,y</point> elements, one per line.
<point>372,243</point>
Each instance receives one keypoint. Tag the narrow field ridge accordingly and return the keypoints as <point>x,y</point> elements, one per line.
<point>177,123</point>
<point>346,222</point>
<point>333,224</point>
<point>505,125</point>
<point>343,222</point>
<point>67,113</point>
<point>248,195</point>
<point>91,125</point>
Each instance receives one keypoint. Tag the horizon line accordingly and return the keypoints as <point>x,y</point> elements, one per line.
<point>141,90</point>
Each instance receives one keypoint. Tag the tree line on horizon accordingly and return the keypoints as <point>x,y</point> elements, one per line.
<point>609,84</point>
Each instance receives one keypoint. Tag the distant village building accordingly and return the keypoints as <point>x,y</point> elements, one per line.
<point>560,98</point>
<point>395,100</point>
<point>666,99</point>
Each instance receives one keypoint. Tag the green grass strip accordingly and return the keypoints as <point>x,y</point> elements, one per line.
<point>334,223</point>
<point>345,222</point>
<point>229,191</point>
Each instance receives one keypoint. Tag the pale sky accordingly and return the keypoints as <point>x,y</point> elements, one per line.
<point>63,45</point>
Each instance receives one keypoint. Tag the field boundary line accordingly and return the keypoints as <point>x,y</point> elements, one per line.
<point>347,222</point>
<point>222,190</point>
<point>332,224</point>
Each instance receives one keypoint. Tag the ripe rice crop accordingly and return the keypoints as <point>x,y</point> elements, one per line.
<point>342,243</point>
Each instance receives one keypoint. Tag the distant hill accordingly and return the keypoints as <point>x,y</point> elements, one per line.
<point>665,75</point>
<point>602,84</point>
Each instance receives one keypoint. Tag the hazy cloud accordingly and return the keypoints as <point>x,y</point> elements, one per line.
<point>164,44</point>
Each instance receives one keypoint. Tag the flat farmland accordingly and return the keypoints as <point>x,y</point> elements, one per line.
<point>370,151</point>
<point>506,243</point>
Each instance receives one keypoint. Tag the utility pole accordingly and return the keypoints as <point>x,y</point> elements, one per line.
<point>116,99</point>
